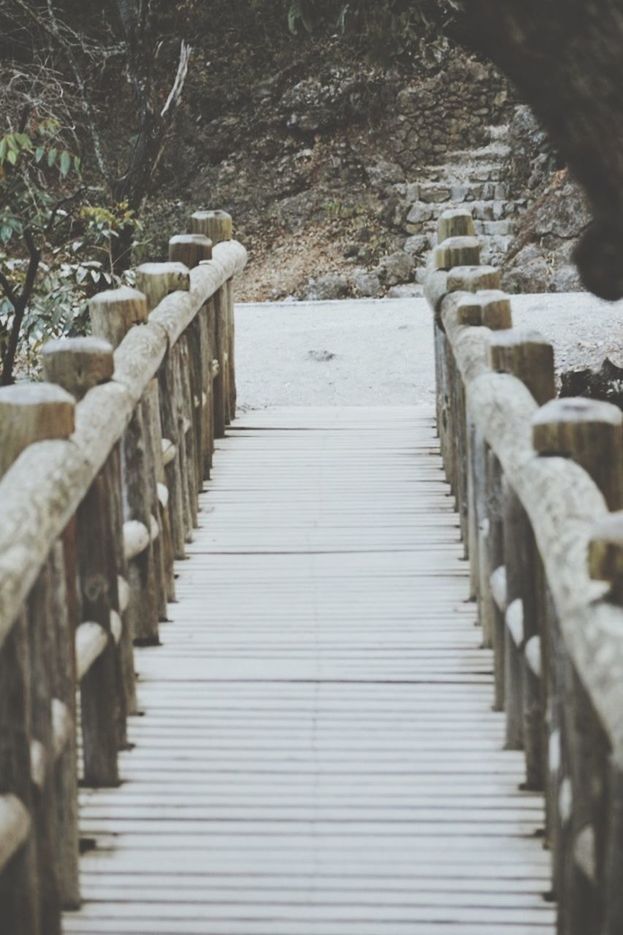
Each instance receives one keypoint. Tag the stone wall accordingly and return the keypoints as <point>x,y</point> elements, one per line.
<point>450,110</point>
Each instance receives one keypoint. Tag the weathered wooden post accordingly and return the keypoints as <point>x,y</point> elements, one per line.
<point>113,313</point>
<point>590,433</point>
<point>525,354</point>
<point>190,249</point>
<point>78,365</point>
<point>158,280</point>
<point>30,799</point>
<point>606,564</point>
<point>218,226</point>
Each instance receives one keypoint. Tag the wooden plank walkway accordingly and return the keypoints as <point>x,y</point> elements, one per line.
<point>318,754</point>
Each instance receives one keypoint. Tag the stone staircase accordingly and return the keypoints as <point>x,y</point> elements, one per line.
<point>471,179</point>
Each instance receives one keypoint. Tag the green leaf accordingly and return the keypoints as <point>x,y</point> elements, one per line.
<point>12,157</point>
<point>6,233</point>
<point>39,153</point>
<point>52,154</point>
<point>3,149</point>
<point>65,162</point>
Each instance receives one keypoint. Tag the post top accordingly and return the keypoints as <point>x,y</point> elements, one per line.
<point>204,214</point>
<point>514,337</point>
<point>78,364</point>
<point>473,278</point>
<point>605,549</point>
<point>121,296</point>
<point>34,395</point>
<point>489,296</point>
<point>456,251</point>
<point>169,267</point>
<point>86,345</point>
<point>32,412</point>
<point>577,411</point>
<point>190,239</point>
<point>469,310</point>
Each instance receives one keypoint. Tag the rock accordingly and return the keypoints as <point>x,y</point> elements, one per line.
<point>385,173</point>
<point>321,103</point>
<point>529,271</point>
<point>405,292</point>
<point>366,283</point>
<point>417,245</point>
<point>566,279</point>
<point>327,287</point>
<point>322,357</point>
<point>418,215</point>
<point>396,268</point>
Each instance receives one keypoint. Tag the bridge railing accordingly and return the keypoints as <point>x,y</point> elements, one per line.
<point>539,483</point>
<point>101,467</point>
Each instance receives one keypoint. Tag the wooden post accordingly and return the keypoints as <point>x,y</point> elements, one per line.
<point>64,728</point>
<point>525,354</point>
<point>174,455</point>
<point>190,249</point>
<point>605,557</point>
<point>455,222</point>
<point>42,651</point>
<point>28,904</point>
<point>217,225</point>
<point>19,880</point>
<point>457,251</point>
<point>589,432</point>
<point>516,559</point>
<point>113,313</point>
<point>605,554</point>
<point>524,663</point>
<point>613,862</point>
<point>221,405</point>
<point>491,558</point>
<point>32,412</point>
<point>79,364</point>
<point>100,688</point>
<point>157,280</point>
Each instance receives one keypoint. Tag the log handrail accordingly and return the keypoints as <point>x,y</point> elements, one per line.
<point>99,483</point>
<point>535,480</point>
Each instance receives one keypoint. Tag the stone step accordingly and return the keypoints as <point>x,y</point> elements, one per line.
<point>463,173</point>
<point>438,192</point>
<point>502,228</point>
<point>423,215</point>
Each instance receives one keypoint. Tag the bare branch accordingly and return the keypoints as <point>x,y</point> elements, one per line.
<point>175,94</point>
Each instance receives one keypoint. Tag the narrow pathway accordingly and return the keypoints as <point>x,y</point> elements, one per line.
<point>318,754</point>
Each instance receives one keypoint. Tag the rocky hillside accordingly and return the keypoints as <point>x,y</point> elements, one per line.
<point>335,168</point>
<point>540,256</point>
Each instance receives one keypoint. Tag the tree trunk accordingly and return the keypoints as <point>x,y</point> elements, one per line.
<point>565,56</point>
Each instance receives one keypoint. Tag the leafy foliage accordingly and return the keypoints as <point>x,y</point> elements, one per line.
<point>54,251</point>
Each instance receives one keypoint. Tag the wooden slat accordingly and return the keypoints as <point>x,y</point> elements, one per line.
<point>318,754</point>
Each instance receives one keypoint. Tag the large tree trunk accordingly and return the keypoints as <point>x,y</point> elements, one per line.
<point>566,58</point>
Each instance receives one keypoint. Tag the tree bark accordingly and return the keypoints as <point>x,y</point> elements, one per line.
<point>565,58</point>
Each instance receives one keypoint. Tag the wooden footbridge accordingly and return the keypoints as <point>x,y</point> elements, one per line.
<point>252,686</point>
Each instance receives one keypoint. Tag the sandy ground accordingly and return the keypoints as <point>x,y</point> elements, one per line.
<point>363,352</point>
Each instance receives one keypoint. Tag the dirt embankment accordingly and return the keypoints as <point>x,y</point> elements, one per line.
<point>316,151</point>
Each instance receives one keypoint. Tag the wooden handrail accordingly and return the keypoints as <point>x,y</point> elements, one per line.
<point>99,483</point>
<point>534,481</point>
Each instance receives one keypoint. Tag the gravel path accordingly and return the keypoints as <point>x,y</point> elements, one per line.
<point>363,352</point>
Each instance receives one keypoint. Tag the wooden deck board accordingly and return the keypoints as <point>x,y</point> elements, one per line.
<point>318,754</point>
